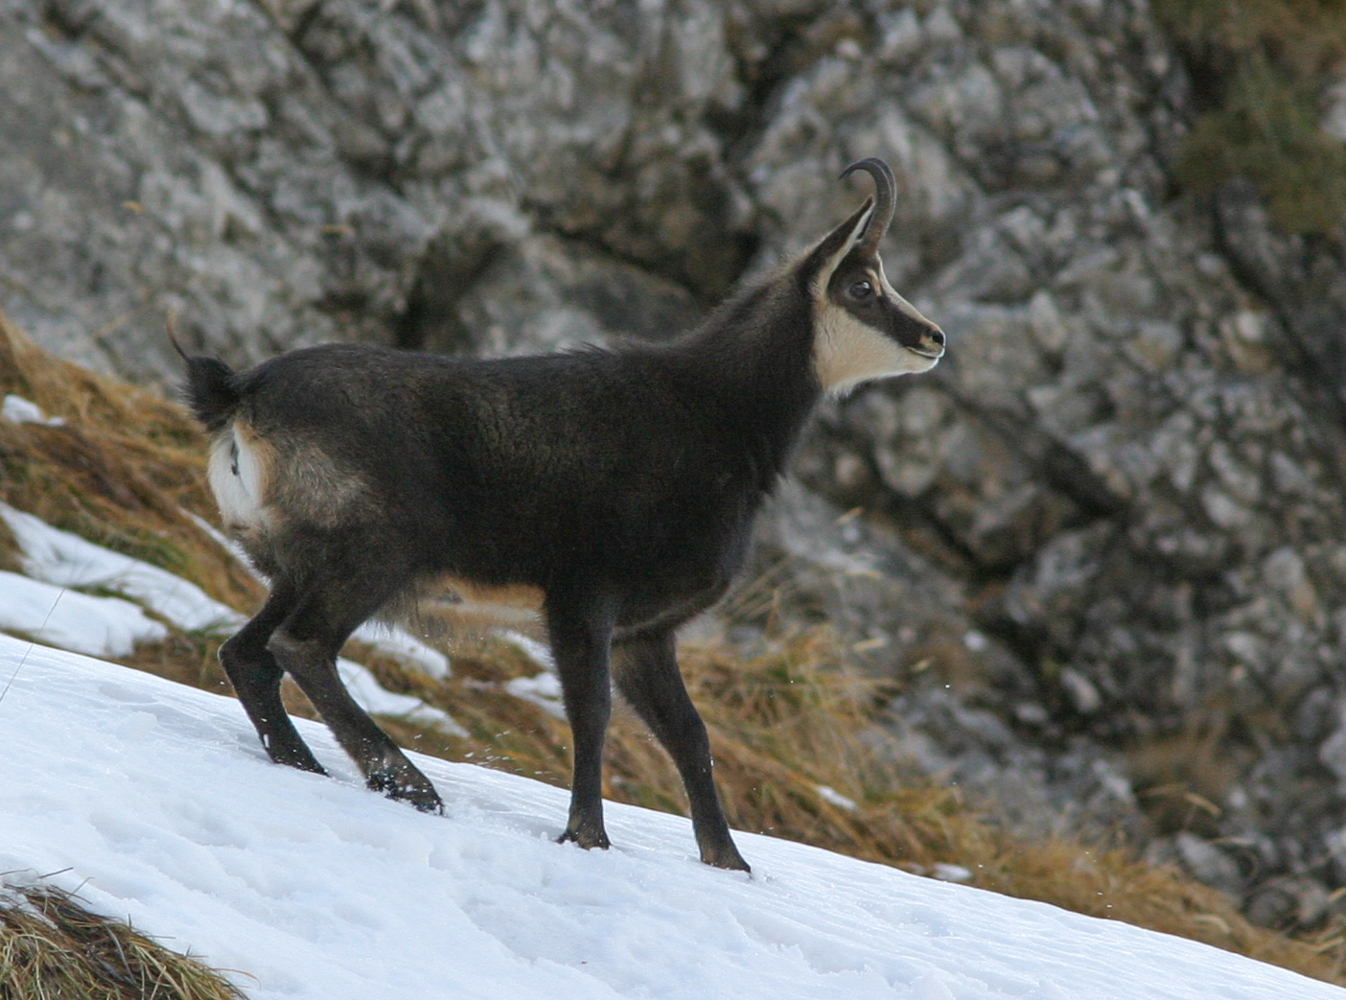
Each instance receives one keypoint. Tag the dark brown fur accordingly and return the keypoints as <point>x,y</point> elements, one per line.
<point>621,484</point>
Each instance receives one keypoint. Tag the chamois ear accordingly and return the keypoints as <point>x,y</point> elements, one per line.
<point>832,249</point>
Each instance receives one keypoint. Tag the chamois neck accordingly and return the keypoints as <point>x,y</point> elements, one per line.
<point>753,357</point>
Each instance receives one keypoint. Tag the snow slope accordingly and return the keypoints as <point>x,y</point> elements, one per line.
<point>158,801</point>
<point>42,605</point>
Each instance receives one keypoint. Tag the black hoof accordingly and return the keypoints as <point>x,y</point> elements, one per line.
<point>297,757</point>
<point>413,789</point>
<point>733,864</point>
<point>725,856</point>
<point>586,839</point>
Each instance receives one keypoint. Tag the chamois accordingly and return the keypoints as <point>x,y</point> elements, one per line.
<point>620,484</point>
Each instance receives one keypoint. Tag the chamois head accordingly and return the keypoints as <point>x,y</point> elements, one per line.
<point>863,329</point>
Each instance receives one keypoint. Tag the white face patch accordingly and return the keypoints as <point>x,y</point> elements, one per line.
<point>238,476</point>
<point>847,352</point>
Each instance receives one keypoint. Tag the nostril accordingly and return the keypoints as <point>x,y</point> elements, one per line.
<point>937,335</point>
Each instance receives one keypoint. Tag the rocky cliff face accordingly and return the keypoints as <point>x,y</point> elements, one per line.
<point>1102,546</point>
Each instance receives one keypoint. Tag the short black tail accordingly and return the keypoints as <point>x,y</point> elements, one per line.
<point>209,391</point>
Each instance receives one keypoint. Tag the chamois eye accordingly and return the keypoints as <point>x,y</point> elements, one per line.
<point>861,290</point>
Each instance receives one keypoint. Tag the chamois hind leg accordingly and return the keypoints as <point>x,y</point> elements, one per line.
<point>255,675</point>
<point>307,645</point>
<point>646,669</point>
<point>581,635</point>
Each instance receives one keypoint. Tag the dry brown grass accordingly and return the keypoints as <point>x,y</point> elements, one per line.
<point>782,724</point>
<point>52,948</point>
<point>123,470</point>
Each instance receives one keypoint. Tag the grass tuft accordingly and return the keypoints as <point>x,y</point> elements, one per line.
<point>52,948</point>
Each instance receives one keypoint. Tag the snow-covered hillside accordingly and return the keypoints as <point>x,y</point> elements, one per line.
<point>44,603</point>
<point>158,801</point>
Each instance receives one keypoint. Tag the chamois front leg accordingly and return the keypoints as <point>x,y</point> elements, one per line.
<point>646,669</point>
<point>580,640</point>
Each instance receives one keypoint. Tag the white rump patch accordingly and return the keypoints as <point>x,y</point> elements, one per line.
<point>238,478</point>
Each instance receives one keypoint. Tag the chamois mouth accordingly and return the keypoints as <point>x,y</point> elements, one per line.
<point>929,345</point>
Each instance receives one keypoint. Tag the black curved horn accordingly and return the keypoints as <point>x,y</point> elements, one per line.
<point>885,197</point>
